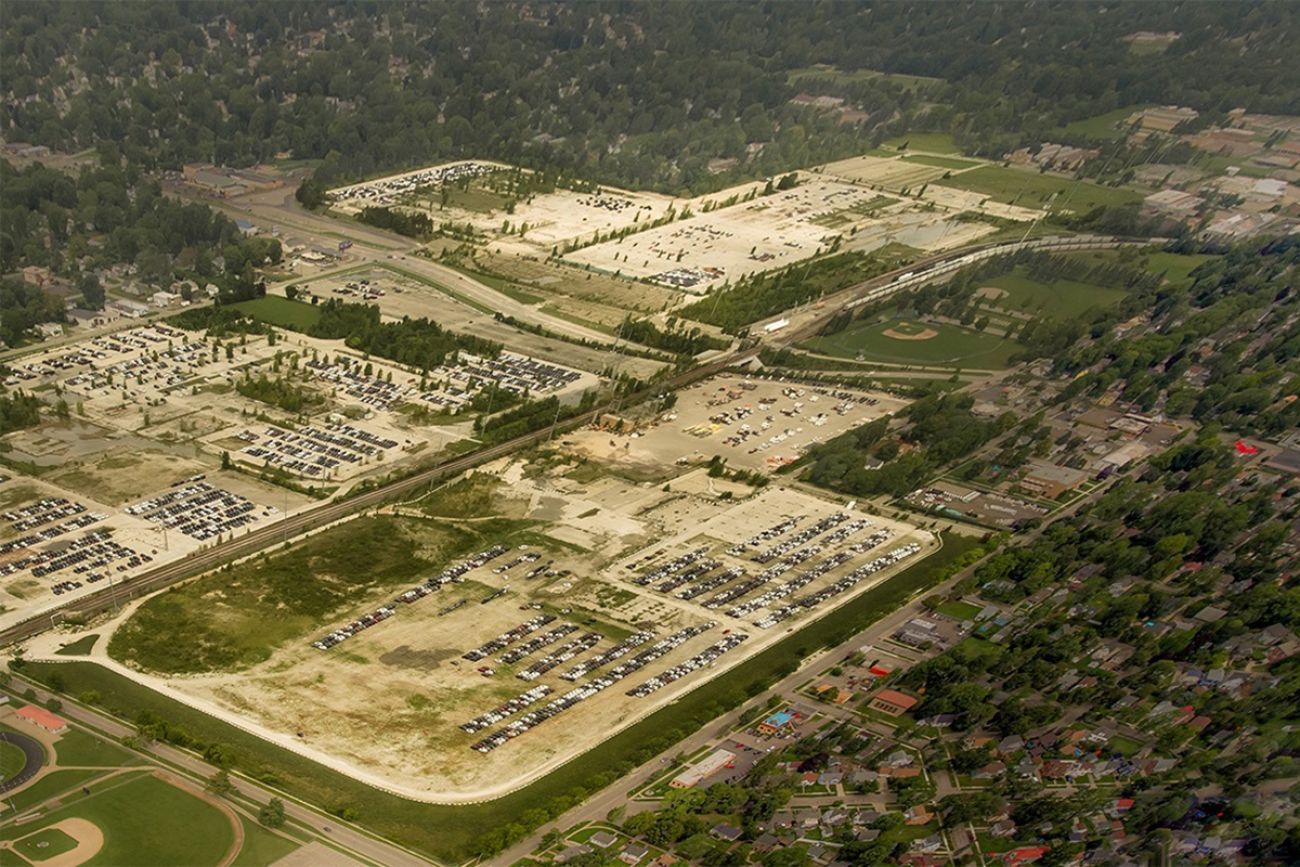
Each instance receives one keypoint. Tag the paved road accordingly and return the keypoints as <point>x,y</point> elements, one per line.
<point>340,833</point>
<point>596,807</point>
<point>292,526</point>
<point>279,210</point>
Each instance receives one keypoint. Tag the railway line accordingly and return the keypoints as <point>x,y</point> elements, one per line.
<point>199,562</point>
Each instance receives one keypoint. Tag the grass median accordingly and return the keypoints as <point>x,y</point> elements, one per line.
<point>452,833</point>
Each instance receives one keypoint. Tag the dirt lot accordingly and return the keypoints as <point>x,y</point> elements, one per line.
<point>752,423</point>
<point>387,703</point>
<point>407,296</point>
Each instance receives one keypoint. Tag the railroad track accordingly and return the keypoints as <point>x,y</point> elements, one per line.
<point>295,525</point>
<point>205,560</point>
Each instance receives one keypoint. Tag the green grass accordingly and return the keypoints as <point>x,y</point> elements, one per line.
<point>1124,746</point>
<point>1103,126</point>
<point>48,786</point>
<point>977,649</point>
<point>1031,189</point>
<point>856,76</point>
<point>959,610</point>
<point>81,647</point>
<point>501,284</point>
<point>237,617</point>
<point>44,845</point>
<point>953,347</point>
<point>78,749</point>
<point>1177,267</point>
<point>12,760</point>
<point>281,312</point>
<point>940,162</point>
<point>452,832</point>
<point>937,142</point>
<point>261,847</point>
<point>1060,299</point>
<point>146,821</point>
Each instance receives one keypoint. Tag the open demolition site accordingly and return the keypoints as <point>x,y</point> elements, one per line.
<point>691,245</point>
<point>174,440</point>
<point>458,644</point>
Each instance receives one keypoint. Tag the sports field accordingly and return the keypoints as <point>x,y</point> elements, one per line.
<point>900,341</point>
<point>455,832</point>
<point>1059,299</point>
<point>1102,126</point>
<point>936,142</point>
<point>940,162</point>
<point>138,819</point>
<point>12,760</point>
<point>281,311</point>
<point>1033,190</point>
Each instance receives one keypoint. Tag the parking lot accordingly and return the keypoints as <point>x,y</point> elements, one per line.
<point>332,450</point>
<point>752,422</point>
<point>201,510</point>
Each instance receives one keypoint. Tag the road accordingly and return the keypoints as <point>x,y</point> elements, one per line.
<point>292,526</point>
<point>616,794</point>
<point>279,211</point>
<point>340,833</point>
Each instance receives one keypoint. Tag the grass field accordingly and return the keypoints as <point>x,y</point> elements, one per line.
<point>233,619</point>
<point>952,347</point>
<point>53,783</point>
<point>940,162</point>
<point>1102,126</point>
<point>452,833</point>
<point>1060,299</point>
<point>1033,190</point>
<point>937,142</point>
<point>1177,267</point>
<point>44,845</point>
<point>12,760</point>
<point>81,647</point>
<point>1124,746</point>
<point>281,312</point>
<point>854,76</point>
<point>261,847</point>
<point>144,821</point>
<point>76,749</point>
<point>959,610</point>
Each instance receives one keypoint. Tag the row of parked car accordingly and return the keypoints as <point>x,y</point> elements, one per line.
<point>507,708</point>
<point>560,655</point>
<point>814,599</point>
<point>805,535</point>
<point>713,582</point>
<point>673,565</point>
<point>690,573</point>
<point>777,529</point>
<point>771,573</point>
<point>510,636</point>
<point>581,693</point>
<point>600,660</point>
<point>699,660</point>
<point>343,633</point>
<point>45,534</point>
<point>446,576</point>
<point>535,644</point>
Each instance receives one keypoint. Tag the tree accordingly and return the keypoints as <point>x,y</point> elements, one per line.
<point>92,293</point>
<point>272,814</point>
<point>220,784</point>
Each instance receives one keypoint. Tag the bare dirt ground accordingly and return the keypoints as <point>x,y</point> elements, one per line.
<point>752,423</point>
<point>385,705</point>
